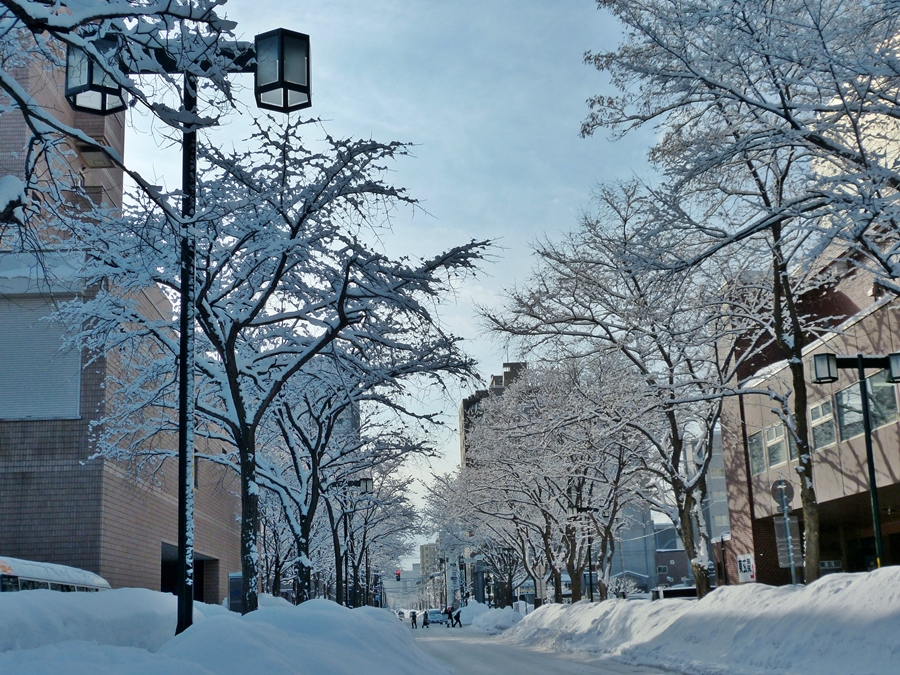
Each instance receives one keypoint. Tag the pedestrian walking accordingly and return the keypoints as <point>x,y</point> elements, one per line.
<point>456,618</point>
<point>412,618</point>
<point>449,612</point>
<point>425,620</point>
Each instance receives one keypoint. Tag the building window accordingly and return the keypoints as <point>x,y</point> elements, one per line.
<point>717,472</point>
<point>39,380</point>
<point>882,405</point>
<point>776,447</point>
<point>792,446</point>
<point>662,569</point>
<point>822,420</point>
<point>721,521</point>
<point>757,453</point>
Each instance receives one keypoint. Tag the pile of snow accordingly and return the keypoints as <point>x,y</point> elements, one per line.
<point>130,631</point>
<point>129,617</point>
<point>469,612</point>
<point>842,624</point>
<point>496,620</point>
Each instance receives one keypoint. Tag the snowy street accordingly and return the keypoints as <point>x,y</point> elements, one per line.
<point>469,653</point>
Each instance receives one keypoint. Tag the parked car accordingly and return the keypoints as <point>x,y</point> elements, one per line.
<point>437,616</point>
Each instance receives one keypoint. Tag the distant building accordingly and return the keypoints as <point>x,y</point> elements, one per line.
<point>635,554</point>
<point>672,564</point>
<point>468,410</point>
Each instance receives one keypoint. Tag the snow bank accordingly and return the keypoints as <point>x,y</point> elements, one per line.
<point>469,612</point>
<point>129,617</point>
<point>606,627</point>
<point>130,631</point>
<point>496,620</point>
<point>843,624</point>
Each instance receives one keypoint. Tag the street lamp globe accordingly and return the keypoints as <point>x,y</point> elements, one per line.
<point>282,79</point>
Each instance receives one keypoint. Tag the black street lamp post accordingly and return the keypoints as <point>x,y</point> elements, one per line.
<point>366,486</point>
<point>280,62</point>
<point>825,370</point>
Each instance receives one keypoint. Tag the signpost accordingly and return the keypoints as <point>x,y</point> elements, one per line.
<point>787,532</point>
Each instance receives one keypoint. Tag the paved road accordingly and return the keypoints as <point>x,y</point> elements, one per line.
<point>470,653</point>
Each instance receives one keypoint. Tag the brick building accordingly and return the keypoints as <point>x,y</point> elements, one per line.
<point>759,451</point>
<point>56,505</point>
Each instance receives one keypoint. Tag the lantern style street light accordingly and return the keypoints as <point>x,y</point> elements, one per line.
<point>89,88</point>
<point>825,371</point>
<point>282,71</point>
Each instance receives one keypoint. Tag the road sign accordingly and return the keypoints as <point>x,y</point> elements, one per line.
<point>778,486</point>
<point>787,529</point>
<point>746,568</point>
<point>782,542</point>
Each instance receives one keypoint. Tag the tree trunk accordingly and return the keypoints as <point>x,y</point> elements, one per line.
<point>276,576</point>
<point>249,525</point>
<point>793,351</point>
<point>686,527</point>
<point>808,500</point>
<point>339,595</point>
<point>575,579</point>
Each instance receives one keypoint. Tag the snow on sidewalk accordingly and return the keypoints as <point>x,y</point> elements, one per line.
<point>130,631</point>
<point>843,624</point>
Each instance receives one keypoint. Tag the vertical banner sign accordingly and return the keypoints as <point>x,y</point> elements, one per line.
<point>746,568</point>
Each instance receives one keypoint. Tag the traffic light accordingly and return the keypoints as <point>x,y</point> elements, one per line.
<point>397,575</point>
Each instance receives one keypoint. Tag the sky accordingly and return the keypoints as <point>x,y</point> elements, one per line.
<point>491,92</point>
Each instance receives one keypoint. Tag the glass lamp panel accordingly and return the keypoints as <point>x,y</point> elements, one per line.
<point>92,100</point>
<point>76,68</point>
<point>893,368</point>
<point>99,76</point>
<point>825,368</point>
<point>274,97</point>
<point>295,59</point>
<point>296,98</point>
<point>267,58</point>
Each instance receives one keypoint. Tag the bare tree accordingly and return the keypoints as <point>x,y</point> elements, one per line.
<point>283,273</point>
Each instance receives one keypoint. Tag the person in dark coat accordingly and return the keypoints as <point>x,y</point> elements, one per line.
<point>412,619</point>
<point>456,618</point>
<point>425,620</point>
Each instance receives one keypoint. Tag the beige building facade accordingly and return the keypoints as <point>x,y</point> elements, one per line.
<point>57,504</point>
<point>759,450</point>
